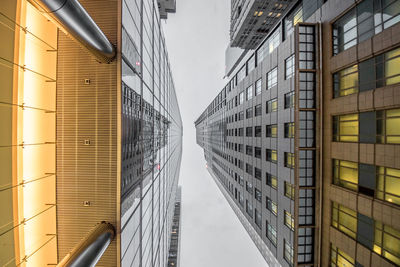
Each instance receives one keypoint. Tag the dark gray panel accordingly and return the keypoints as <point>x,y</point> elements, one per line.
<point>367,127</point>
<point>365,230</point>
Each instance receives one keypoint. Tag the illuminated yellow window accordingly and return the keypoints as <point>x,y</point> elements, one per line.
<point>340,258</point>
<point>344,219</point>
<point>272,181</point>
<point>272,105</point>
<point>388,184</point>
<point>289,190</point>
<point>387,242</point>
<point>271,130</point>
<point>289,160</point>
<point>271,155</point>
<point>289,221</point>
<point>392,66</point>
<point>393,126</point>
<point>345,82</point>
<point>345,174</point>
<point>345,128</point>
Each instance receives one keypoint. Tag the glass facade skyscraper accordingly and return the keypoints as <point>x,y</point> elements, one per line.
<point>90,151</point>
<point>301,140</point>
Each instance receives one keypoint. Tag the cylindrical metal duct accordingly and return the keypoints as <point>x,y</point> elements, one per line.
<point>89,251</point>
<point>74,20</point>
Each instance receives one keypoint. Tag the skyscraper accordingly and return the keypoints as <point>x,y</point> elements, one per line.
<point>175,245</point>
<point>91,142</point>
<point>303,140</point>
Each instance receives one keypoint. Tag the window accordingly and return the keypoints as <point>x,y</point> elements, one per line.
<point>289,100</point>
<point>339,258</point>
<point>271,233</point>
<point>289,190</point>
<point>257,194</point>
<point>392,63</point>
<point>249,113</point>
<point>257,110</point>
<point>241,98</point>
<point>288,252</point>
<point>272,181</point>
<point>257,218</point>
<point>249,169</point>
<point>289,67</point>
<point>240,199</point>
<point>289,220</point>
<point>257,131</point>
<point>249,92</point>
<point>388,184</point>
<point>249,187</point>
<point>241,74</point>
<point>289,160</point>
<point>241,115</point>
<point>345,174</point>
<point>363,21</point>
<point>257,152</point>
<point>257,173</point>
<point>272,105</point>
<point>251,64</point>
<point>387,242</point>
<point>345,128</point>
<point>249,150</point>
<point>249,131</point>
<point>271,206</point>
<point>269,45</point>
<point>388,126</point>
<point>258,87</point>
<point>240,131</point>
<point>344,219</point>
<point>271,155</point>
<point>272,78</point>
<point>289,130</point>
<point>375,72</point>
<point>249,208</point>
<point>240,148</point>
<point>345,82</point>
<point>271,130</point>
<point>291,20</point>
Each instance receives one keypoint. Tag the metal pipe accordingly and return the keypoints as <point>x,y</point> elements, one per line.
<point>89,251</point>
<point>73,19</point>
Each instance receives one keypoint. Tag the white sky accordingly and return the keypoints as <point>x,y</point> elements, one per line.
<point>212,235</point>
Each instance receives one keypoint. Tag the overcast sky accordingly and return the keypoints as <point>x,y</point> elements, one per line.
<point>212,235</point>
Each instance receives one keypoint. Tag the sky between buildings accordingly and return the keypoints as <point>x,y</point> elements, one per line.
<point>196,37</point>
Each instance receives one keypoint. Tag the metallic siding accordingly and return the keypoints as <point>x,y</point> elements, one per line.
<point>87,173</point>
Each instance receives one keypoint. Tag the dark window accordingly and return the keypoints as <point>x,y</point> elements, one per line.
<point>249,131</point>
<point>249,150</point>
<point>249,113</point>
<point>257,152</point>
<point>257,173</point>
<point>258,110</point>
<point>257,131</point>
<point>289,100</point>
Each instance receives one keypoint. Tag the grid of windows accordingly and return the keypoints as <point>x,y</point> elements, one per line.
<point>381,70</point>
<point>272,78</point>
<point>364,21</point>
